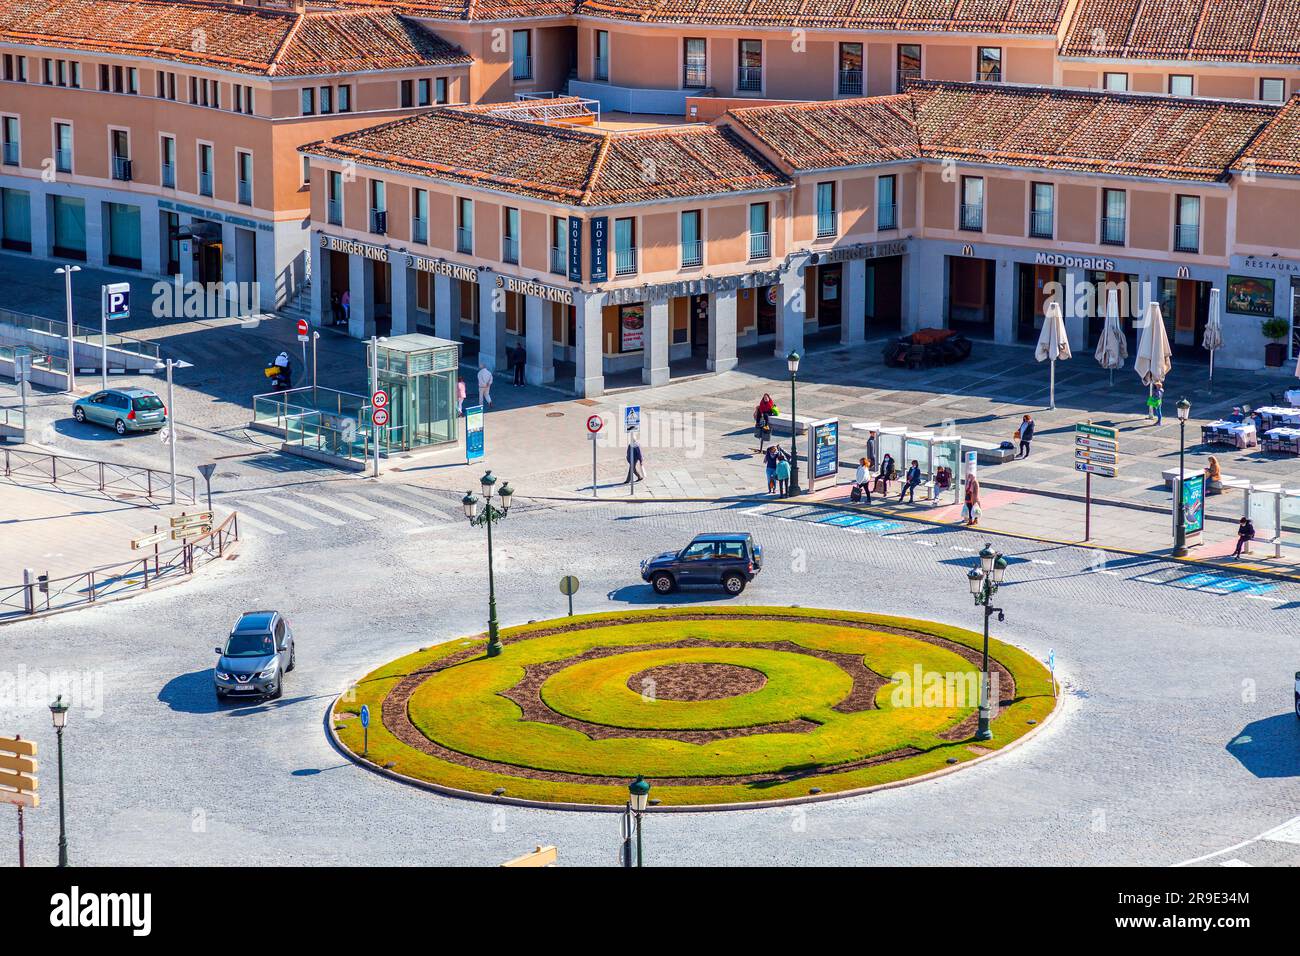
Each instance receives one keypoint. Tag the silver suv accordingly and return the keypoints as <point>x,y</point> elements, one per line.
<point>257,655</point>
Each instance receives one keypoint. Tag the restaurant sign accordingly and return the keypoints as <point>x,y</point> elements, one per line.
<point>540,290</point>
<point>353,248</point>
<point>863,250</point>
<point>441,267</point>
<point>672,290</point>
<point>1096,263</point>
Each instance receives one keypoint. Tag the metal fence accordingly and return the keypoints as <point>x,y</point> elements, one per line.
<point>58,328</point>
<point>41,468</point>
<point>116,580</point>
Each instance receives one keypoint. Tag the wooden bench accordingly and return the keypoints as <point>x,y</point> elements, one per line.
<point>987,452</point>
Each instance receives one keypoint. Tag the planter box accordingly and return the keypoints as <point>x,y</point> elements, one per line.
<point>1274,354</point>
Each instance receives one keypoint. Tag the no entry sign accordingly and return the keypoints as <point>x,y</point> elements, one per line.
<point>302,330</point>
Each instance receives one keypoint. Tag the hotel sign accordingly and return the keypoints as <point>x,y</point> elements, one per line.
<point>1096,263</point>
<point>353,248</point>
<point>599,248</point>
<point>540,290</point>
<point>672,290</point>
<point>441,267</point>
<point>575,249</point>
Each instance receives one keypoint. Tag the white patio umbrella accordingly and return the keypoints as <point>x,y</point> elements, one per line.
<point>1153,360</point>
<point>1053,343</point>
<point>1112,348</point>
<point>1213,339</point>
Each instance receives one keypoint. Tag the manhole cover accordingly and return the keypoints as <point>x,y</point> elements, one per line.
<point>228,474</point>
<point>555,414</point>
<point>189,438</point>
<point>126,496</point>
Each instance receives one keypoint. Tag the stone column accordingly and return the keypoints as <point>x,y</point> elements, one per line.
<point>446,308</point>
<point>540,367</point>
<point>321,312</point>
<point>361,290</point>
<point>491,322</point>
<point>925,282</point>
<point>1004,301</point>
<point>96,236</point>
<point>42,239</point>
<point>722,331</point>
<point>792,309</point>
<point>402,293</point>
<point>589,379</point>
<point>657,333</point>
<point>853,317</point>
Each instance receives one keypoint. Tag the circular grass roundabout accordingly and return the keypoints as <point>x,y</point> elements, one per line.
<point>712,705</point>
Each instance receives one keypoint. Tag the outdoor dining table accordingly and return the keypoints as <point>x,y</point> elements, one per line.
<point>1275,416</point>
<point>1285,440</point>
<point>1223,432</point>
<point>1292,395</point>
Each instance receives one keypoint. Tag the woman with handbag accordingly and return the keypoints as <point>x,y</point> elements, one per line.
<point>970,511</point>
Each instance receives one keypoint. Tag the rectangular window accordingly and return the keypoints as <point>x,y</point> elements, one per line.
<point>124,243</point>
<point>600,69</point>
<point>521,52</point>
<point>334,198</point>
<point>308,101</point>
<point>465,226</point>
<point>63,147</point>
<point>215,98</point>
<point>908,66</point>
<point>887,202</point>
<point>827,226</point>
<point>167,157</point>
<point>972,203</point>
<point>133,81</point>
<point>61,76</point>
<point>420,215</point>
<point>47,71</point>
<point>1042,210</point>
<point>988,64</point>
<point>105,83</point>
<point>1187,225</point>
<point>306,170</point>
<point>440,89</point>
<point>850,73</point>
<point>12,148</point>
<point>194,89</point>
<point>559,245</point>
<point>75,79</point>
<point>1116,82</point>
<point>16,219</point>
<point>378,207</point>
<point>1114,215</point>
<point>695,63</point>
<point>1272,90</point>
<point>345,98</point>
<point>692,244</point>
<point>422,89</point>
<point>238,92</point>
<point>326,99</point>
<point>120,148</point>
<point>119,84</point>
<point>760,235</point>
<point>205,169</point>
<point>407,99</point>
<point>624,247</point>
<point>1180,85</point>
<point>69,227</point>
<point>749,66</point>
<point>244,177</point>
<point>510,235</point>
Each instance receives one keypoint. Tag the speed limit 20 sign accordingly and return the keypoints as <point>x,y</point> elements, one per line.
<point>379,399</point>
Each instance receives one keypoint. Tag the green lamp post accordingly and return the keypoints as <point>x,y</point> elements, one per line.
<point>484,512</point>
<point>638,796</point>
<point>985,579</point>
<point>792,362</point>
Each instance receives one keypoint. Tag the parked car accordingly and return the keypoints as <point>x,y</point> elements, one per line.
<point>727,560</point>
<point>257,655</point>
<point>123,410</point>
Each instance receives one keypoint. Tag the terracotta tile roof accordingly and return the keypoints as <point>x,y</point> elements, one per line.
<point>1276,150</point>
<point>574,166</point>
<point>921,16</point>
<point>1238,31</point>
<point>477,10</point>
<point>1117,134</point>
<point>242,39</point>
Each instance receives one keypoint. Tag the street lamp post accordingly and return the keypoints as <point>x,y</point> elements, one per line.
<point>59,713</point>
<point>985,579</point>
<point>484,512</point>
<point>1180,523</point>
<point>171,418</point>
<point>66,272</point>
<point>792,361</point>
<point>638,795</point>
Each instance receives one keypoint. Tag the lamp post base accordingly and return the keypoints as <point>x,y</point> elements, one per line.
<point>983,732</point>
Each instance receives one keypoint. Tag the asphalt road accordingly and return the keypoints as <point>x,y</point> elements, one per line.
<point>1177,738</point>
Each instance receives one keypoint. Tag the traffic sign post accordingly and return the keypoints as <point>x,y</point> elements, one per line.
<point>365,729</point>
<point>631,425</point>
<point>18,783</point>
<point>1096,452</point>
<point>302,341</point>
<point>115,302</point>
<point>206,471</point>
<point>594,424</point>
<point>569,587</point>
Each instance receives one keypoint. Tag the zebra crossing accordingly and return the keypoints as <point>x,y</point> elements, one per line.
<point>405,509</point>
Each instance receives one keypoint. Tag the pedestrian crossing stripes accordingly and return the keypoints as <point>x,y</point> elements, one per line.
<point>402,508</point>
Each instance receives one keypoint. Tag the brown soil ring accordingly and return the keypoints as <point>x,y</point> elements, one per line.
<point>697,682</point>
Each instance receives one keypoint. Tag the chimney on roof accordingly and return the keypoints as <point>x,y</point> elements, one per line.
<point>299,6</point>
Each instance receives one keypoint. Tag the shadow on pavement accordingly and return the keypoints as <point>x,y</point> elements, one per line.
<point>190,693</point>
<point>1267,747</point>
<point>645,594</point>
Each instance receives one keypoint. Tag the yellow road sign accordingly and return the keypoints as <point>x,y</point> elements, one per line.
<point>24,748</point>
<point>198,517</point>
<point>194,531</point>
<point>542,856</point>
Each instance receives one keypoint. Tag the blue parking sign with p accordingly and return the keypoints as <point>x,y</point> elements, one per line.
<point>117,300</point>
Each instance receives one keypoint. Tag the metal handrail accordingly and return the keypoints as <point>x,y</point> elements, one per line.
<point>103,476</point>
<point>82,333</point>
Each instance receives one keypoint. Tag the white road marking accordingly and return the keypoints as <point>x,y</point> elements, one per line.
<point>1234,862</point>
<point>1040,561</point>
<point>924,544</point>
<point>413,499</point>
<point>427,527</point>
<point>329,503</point>
<point>246,518</point>
<point>1281,828</point>
<point>280,516</point>
<point>313,512</point>
<point>383,509</point>
<point>1286,833</point>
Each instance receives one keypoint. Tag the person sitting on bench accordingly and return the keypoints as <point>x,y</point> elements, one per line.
<point>886,474</point>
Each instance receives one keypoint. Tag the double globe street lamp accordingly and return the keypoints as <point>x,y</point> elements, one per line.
<point>985,579</point>
<point>484,512</point>
<point>792,362</point>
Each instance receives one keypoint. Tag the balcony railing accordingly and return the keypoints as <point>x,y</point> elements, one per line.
<point>522,68</point>
<point>379,221</point>
<point>749,78</point>
<point>419,230</point>
<point>334,210</point>
<point>904,77</point>
<point>1040,223</point>
<point>465,240</point>
<point>602,68</point>
<point>1112,231</point>
<point>510,249</point>
<point>205,184</point>
<point>11,154</point>
<point>169,175</point>
<point>63,160</point>
<point>850,82</point>
<point>625,261</point>
<point>559,262</point>
<point>122,168</point>
<point>692,253</point>
<point>887,217</point>
<point>972,216</point>
<point>827,223</point>
<point>760,245</point>
<point>245,192</point>
<point>1187,238</point>
<point>695,75</point>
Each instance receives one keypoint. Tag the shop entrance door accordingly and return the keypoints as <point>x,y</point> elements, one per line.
<point>829,295</point>
<point>208,256</point>
<point>765,309</point>
<point>970,295</point>
<point>1185,305</point>
<point>699,324</point>
<point>884,298</point>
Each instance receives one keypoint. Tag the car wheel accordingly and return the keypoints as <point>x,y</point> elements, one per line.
<point>279,686</point>
<point>663,583</point>
<point>733,583</point>
<point>119,426</point>
<point>79,414</point>
<point>293,659</point>
<point>221,697</point>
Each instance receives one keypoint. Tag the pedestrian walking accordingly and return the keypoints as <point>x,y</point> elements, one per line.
<point>910,482</point>
<point>872,442</point>
<point>862,482</point>
<point>485,386</point>
<point>770,458</point>
<point>1245,535</point>
<point>1156,403</point>
<point>970,511</point>
<point>1025,434</point>
<point>336,309</point>
<point>345,302</point>
<point>783,475</point>
<point>521,360</point>
<point>460,396</point>
<point>635,462</point>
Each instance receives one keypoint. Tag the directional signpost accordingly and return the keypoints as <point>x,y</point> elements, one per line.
<point>186,526</point>
<point>1096,452</point>
<point>594,424</point>
<point>18,781</point>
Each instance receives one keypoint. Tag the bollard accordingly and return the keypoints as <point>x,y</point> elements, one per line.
<point>29,590</point>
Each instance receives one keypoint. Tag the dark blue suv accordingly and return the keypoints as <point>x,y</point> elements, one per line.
<point>729,561</point>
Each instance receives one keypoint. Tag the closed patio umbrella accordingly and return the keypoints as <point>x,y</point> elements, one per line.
<point>1153,360</point>
<point>1112,349</point>
<point>1213,339</point>
<point>1053,343</point>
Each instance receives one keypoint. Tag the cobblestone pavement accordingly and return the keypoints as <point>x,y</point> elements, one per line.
<point>1176,740</point>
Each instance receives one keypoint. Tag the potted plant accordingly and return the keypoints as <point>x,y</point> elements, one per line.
<point>1275,330</point>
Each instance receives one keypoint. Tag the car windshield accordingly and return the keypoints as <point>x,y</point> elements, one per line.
<point>249,645</point>
<point>147,403</point>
